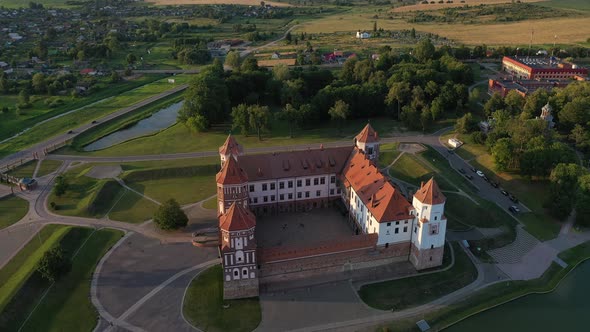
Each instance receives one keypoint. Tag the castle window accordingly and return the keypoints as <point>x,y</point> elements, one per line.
<point>322,180</point>
<point>307,182</point>
<point>387,233</point>
<point>415,229</point>
<point>272,198</point>
<point>435,217</point>
<point>396,230</point>
<point>265,198</point>
<point>307,194</point>
<point>272,186</point>
<point>432,246</point>
<point>281,185</point>
<point>298,183</point>
<point>290,196</point>
<point>370,150</point>
<point>264,187</point>
<point>235,273</point>
<point>405,229</point>
<point>433,229</point>
<point>255,200</point>
<point>338,191</point>
<point>281,197</point>
<point>245,272</point>
<point>299,195</point>
<point>397,222</point>
<point>318,193</point>
<point>388,224</point>
<point>331,191</point>
<point>431,258</point>
<point>333,179</point>
<point>251,188</point>
<point>316,181</point>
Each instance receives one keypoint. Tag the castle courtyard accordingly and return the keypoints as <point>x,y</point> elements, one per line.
<point>302,228</point>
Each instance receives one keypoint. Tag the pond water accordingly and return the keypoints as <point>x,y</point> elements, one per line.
<point>565,309</point>
<point>162,119</point>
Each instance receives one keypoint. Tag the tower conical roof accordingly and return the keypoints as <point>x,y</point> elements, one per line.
<point>237,218</point>
<point>367,135</point>
<point>231,173</point>
<point>429,193</point>
<point>231,146</point>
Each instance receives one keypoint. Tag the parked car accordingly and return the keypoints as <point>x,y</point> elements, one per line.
<point>494,184</point>
<point>485,178</point>
<point>513,198</point>
<point>94,121</point>
<point>504,192</point>
<point>480,173</point>
<point>470,177</point>
<point>514,209</point>
<point>462,171</point>
<point>472,169</point>
<point>70,131</point>
<point>450,151</point>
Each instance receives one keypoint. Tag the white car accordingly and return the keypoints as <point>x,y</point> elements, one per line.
<point>480,173</point>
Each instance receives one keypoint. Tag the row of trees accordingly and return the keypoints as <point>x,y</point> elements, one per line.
<point>570,188</point>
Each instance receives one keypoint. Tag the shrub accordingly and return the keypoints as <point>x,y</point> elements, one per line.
<point>54,264</point>
<point>170,216</point>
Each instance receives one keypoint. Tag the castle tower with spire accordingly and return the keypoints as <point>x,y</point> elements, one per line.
<point>238,252</point>
<point>232,183</point>
<point>368,141</point>
<point>231,147</point>
<point>428,237</point>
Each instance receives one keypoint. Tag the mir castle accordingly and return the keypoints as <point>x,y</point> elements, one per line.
<point>384,223</point>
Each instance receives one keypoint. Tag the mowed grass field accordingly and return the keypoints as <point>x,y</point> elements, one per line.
<point>12,209</point>
<point>433,6</point>
<point>515,33</point>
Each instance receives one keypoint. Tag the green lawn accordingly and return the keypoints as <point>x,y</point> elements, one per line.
<point>67,306</point>
<point>46,3</point>
<point>87,114</point>
<point>211,203</point>
<point>133,208</point>
<point>540,226</point>
<point>79,195</point>
<point>25,170</point>
<point>203,305</point>
<point>12,209</point>
<point>413,291</point>
<point>16,272</point>
<point>415,170</point>
<point>187,184</point>
<point>387,154</point>
<point>48,166</point>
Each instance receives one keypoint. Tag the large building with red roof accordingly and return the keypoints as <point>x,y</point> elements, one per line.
<point>296,181</point>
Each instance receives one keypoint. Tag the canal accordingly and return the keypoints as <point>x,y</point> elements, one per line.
<point>565,309</point>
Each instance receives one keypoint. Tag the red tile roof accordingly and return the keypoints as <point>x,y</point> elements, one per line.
<point>381,199</point>
<point>367,135</point>
<point>231,173</point>
<point>429,193</point>
<point>237,218</point>
<point>231,146</point>
<point>294,163</point>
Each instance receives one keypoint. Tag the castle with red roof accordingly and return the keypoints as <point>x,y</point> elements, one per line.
<point>297,181</point>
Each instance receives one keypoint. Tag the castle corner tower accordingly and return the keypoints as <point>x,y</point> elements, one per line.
<point>232,183</point>
<point>230,147</point>
<point>428,237</point>
<point>238,253</point>
<point>368,141</point>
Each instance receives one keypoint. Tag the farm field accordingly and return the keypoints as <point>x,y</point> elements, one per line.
<point>433,6</point>
<point>216,2</point>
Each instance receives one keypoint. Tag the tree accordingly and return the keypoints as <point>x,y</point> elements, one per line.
<point>563,189</point>
<point>425,118</point>
<point>24,100</point>
<point>232,59</point>
<point>115,77</point>
<point>339,113</point>
<point>170,216</point>
<point>292,116</point>
<point>39,83</point>
<point>503,154</point>
<point>4,84</point>
<point>281,72</point>
<point>131,58</point>
<point>249,64</point>
<point>259,118</point>
<point>374,26</point>
<point>583,201</point>
<point>61,185</point>
<point>514,102</point>
<point>53,264</point>
<point>466,124</point>
<point>398,93</point>
<point>241,118</point>
<point>496,102</point>
<point>424,51</point>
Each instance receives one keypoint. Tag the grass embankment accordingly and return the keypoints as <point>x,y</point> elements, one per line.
<point>203,305</point>
<point>87,114</point>
<point>387,154</point>
<point>500,293</point>
<point>12,209</point>
<point>25,170</point>
<point>66,305</point>
<point>48,166</point>
<point>532,193</point>
<point>14,274</point>
<point>210,204</point>
<point>125,121</point>
<point>413,291</point>
<point>178,138</point>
